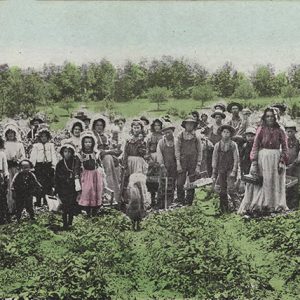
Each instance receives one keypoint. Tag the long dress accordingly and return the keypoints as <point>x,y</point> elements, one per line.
<point>14,152</point>
<point>269,148</point>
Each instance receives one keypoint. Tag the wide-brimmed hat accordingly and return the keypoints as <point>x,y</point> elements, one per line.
<point>246,111</point>
<point>81,115</point>
<point>232,104</point>
<point>190,119</point>
<point>119,118</point>
<point>26,160</point>
<point>218,112</point>
<point>67,145</point>
<point>291,125</point>
<point>167,126</point>
<point>36,118</point>
<point>226,126</point>
<point>221,105</point>
<point>143,118</point>
<point>238,139</point>
<point>281,106</point>
<point>250,130</point>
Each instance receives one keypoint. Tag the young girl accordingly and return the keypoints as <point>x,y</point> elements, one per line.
<point>4,178</point>
<point>15,152</point>
<point>225,164</point>
<point>43,158</point>
<point>67,170</point>
<point>93,181</point>
<point>76,127</point>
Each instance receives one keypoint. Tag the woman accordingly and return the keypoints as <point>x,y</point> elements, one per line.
<point>15,152</point>
<point>76,127</point>
<point>269,157</point>
<point>108,155</point>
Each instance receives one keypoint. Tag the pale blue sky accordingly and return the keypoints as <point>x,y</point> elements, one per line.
<point>246,33</point>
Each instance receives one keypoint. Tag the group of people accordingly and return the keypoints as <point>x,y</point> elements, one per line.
<point>145,165</point>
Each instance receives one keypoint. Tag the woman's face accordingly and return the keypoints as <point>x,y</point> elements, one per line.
<point>88,143</point>
<point>67,153</point>
<point>77,131</point>
<point>157,127</point>
<point>204,118</point>
<point>99,126</point>
<point>270,118</point>
<point>136,129</point>
<point>11,136</point>
<point>44,138</point>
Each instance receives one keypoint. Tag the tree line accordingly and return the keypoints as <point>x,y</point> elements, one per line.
<point>21,90</point>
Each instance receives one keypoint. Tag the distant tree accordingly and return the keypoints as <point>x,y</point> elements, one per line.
<point>294,75</point>
<point>67,104</point>
<point>288,92</point>
<point>245,90</point>
<point>203,93</point>
<point>158,95</point>
<point>225,80</point>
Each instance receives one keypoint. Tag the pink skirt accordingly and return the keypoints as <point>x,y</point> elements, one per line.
<point>91,188</point>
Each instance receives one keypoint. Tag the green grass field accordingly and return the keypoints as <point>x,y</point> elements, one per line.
<point>137,107</point>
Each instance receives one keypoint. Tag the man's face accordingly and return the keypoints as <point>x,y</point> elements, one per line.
<point>225,134</point>
<point>168,134</point>
<point>189,126</point>
<point>218,119</point>
<point>290,132</point>
<point>235,110</point>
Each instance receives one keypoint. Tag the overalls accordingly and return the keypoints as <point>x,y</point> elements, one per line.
<point>224,167</point>
<point>188,161</point>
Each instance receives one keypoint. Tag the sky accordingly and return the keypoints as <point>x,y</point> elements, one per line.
<point>212,32</point>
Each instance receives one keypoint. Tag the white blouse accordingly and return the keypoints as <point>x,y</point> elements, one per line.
<point>3,163</point>
<point>14,150</point>
<point>43,153</point>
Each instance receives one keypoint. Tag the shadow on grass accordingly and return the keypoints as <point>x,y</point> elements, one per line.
<point>157,110</point>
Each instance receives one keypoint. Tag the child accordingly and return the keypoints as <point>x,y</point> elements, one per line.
<point>65,174</point>
<point>24,187</point>
<point>188,152</point>
<point>225,162</point>
<point>43,158</point>
<point>93,181</point>
<point>136,195</point>
<point>167,162</point>
<point>246,150</point>
<point>4,177</point>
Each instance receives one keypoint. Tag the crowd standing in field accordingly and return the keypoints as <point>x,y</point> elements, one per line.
<point>251,159</point>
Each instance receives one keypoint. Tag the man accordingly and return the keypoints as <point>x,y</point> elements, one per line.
<point>236,122</point>
<point>188,153</point>
<point>34,123</point>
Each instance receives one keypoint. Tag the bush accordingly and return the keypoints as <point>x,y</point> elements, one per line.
<point>288,92</point>
<point>203,93</point>
<point>245,90</point>
<point>158,95</point>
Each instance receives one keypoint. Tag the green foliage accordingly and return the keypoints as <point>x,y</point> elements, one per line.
<point>294,76</point>
<point>203,93</point>
<point>158,95</point>
<point>225,80</point>
<point>288,92</point>
<point>67,104</point>
<point>245,90</point>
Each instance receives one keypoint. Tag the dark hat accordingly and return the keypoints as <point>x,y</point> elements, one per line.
<point>226,126</point>
<point>232,104</point>
<point>218,112</point>
<point>281,106</point>
<point>221,105</point>
<point>34,119</point>
<point>82,116</point>
<point>189,119</point>
<point>291,125</point>
<point>26,160</point>
<point>143,118</point>
<point>238,139</point>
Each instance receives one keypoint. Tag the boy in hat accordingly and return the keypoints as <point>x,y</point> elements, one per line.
<point>246,150</point>
<point>4,178</point>
<point>24,187</point>
<point>34,123</point>
<point>188,153</point>
<point>293,163</point>
<point>225,163</point>
<point>220,106</point>
<point>234,108</point>
<point>213,135</point>
<point>43,158</point>
<point>167,161</point>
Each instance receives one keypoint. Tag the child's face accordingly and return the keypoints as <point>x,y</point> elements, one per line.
<point>88,143</point>
<point>136,129</point>
<point>204,118</point>
<point>250,137</point>
<point>77,131</point>
<point>290,132</point>
<point>11,136</point>
<point>157,127</point>
<point>226,134</point>
<point>25,167</point>
<point>168,134</point>
<point>121,124</point>
<point>99,126</point>
<point>44,138</point>
<point>189,126</point>
<point>67,153</point>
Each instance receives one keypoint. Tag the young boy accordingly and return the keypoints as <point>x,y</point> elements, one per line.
<point>246,149</point>
<point>188,153</point>
<point>225,163</point>
<point>4,177</point>
<point>24,187</point>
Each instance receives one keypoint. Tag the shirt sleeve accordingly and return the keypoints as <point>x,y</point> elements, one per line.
<point>22,152</point>
<point>215,158</point>
<point>5,165</point>
<point>177,148</point>
<point>199,148</point>
<point>284,147</point>
<point>53,155</point>
<point>33,154</point>
<point>160,158</point>
<point>235,158</point>
<point>256,144</point>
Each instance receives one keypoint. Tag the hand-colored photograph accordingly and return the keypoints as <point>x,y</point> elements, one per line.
<point>149,150</point>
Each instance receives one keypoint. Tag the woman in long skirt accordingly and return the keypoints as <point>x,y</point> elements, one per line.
<point>269,157</point>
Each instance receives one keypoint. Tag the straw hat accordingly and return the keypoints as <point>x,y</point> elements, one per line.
<point>218,112</point>
<point>226,126</point>
<point>189,119</point>
<point>232,104</point>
